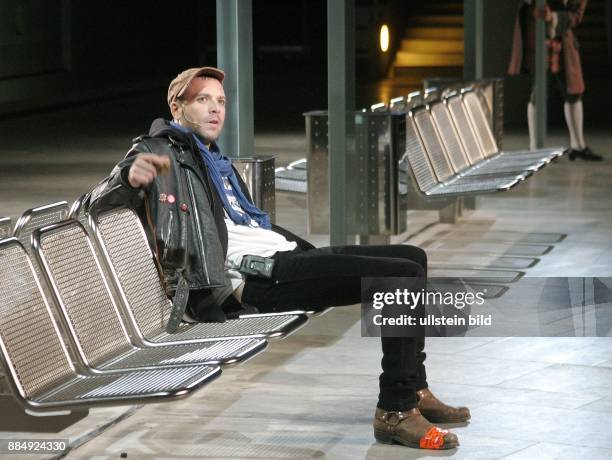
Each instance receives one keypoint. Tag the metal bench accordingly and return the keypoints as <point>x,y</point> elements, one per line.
<point>431,94</point>
<point>443,167</point>
<point>5,227</point>
<point>38,217</point>
<point>77,213</point>
<point>291,180</point>
<point>450,162</point>
<point>414,98</point>
<point>133,272</point>
<point>378,107</point>
<point>425,177</point>
<point>473,147</point>
<point>92,320</point>
<point>457,155</point>
<point>40,369</point>
<point>398,104</point>
<point>486,138</point>
<point>30,220</point>
<point>5,232</point>
<point>302,164</point>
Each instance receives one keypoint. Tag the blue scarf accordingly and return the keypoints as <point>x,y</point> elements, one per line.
<point>220,166</point>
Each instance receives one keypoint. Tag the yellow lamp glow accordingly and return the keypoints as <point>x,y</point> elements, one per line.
<point>384,38</point>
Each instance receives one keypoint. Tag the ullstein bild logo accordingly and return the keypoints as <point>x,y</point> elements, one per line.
<point>523,307</point>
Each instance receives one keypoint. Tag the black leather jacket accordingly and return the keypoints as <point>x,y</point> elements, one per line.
<point>181,210</point>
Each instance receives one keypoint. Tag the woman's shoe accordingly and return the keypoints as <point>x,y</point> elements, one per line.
<point>585,154</point>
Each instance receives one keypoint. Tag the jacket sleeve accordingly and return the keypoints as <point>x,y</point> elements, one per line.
<point>115,191</point>
<point>572,17</point>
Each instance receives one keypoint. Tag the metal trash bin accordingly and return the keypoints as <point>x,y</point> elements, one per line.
<point>376,207</point>
<point>258,174</point>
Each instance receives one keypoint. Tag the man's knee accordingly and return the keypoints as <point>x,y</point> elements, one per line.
<point>406,269</point>
<point>421,257</point>
<point>413,253</point>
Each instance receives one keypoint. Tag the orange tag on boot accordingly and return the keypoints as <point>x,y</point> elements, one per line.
<point>433,439</point>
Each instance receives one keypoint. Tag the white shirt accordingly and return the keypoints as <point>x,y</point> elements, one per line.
<point>247,239</point>
<point>243,240</point>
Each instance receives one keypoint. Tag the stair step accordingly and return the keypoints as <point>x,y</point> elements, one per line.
<point>437,19</point>
<point>440,8</point>
<point>441,33</point>
<point>410,59</point>
<point>432,46</point>
<point>421,73</point>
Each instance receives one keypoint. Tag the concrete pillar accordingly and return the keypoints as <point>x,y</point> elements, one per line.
<point>341,106</point>
<point>540,79</point>
<point>235,57</point>
<point>473,27</point>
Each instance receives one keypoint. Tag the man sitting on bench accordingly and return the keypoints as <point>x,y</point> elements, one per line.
<point>202,223</point>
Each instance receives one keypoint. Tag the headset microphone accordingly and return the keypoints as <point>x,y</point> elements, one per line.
<point>189,120</point>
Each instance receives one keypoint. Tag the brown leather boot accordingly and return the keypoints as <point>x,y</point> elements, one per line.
<point>436,411</point>
<point>411,429</point>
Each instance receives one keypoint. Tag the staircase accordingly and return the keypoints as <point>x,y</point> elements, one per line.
<point>432,45</point>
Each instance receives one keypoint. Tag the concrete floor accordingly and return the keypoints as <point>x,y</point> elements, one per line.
<point>313,395</point>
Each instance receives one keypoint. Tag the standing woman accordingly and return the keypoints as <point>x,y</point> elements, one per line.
<point>564,67</point>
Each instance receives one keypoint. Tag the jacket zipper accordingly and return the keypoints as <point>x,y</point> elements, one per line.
<point>197,222</point>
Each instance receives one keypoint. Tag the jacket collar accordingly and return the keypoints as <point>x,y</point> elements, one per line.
<point>185,147</point>
<point>162,127</point>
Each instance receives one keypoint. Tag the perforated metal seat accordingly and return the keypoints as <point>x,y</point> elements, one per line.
<point>290,180</point>
<point>293,174</point>
<point>457,155</point>
<point>439,157</point>
<point>128,256</point>
<point>90,314</point>
<point>5,232</point>
<point>473,147</point>
<point>42,372</point>
<point>302,163</point>
<point>379,107</point>
<point>398,104</point>
<point>485,136</point>
<point>5,227</point>
<point>426,179</point>
<point>414,99</point>
<point>35,218</point>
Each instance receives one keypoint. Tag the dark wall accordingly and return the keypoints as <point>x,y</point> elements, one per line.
<point>122,40</point>
<point>97,47</point>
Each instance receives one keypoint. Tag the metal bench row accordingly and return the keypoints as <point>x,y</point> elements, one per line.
<point>450,149</point>
<point>84,314</point>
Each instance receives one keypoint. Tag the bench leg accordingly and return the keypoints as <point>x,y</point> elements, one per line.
<point>469,202</point>
<point>451,213</point>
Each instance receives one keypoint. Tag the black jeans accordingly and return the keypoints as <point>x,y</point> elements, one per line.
<point>324,277</point>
